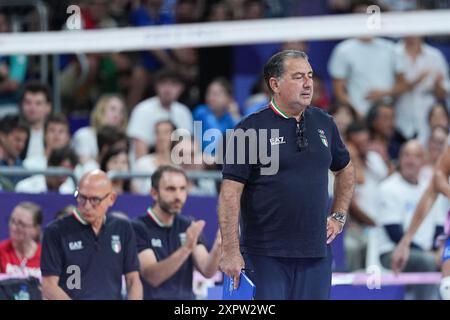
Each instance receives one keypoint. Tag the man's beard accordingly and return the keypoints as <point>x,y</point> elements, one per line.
<point>165,206</point>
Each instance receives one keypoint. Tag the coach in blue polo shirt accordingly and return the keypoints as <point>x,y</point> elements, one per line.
<point>84,255</point>
<point>169,244</point>
<point>285,226</point>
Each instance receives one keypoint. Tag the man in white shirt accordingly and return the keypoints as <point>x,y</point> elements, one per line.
<point>35,107</point>
<point>56,135</point>
<point>64,157</point>
<point>426,72</point>
<point>141,128</point>
<point>398,198</point>
<point>365,70</point>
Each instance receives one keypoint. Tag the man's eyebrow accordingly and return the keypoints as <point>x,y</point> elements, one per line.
<point>301,73</point>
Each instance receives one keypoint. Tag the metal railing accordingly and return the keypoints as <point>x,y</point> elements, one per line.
<point>51,171</point>
<point>192,174</point>
<point>62,171</point>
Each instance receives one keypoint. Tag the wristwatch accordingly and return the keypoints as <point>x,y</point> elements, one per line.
<point>339,217</point>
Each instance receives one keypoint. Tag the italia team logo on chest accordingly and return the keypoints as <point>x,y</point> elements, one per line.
<point>323,137</point>
<point>115,243</point>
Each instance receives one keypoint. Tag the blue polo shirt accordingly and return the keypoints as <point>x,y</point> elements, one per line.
<point>164,241</point>
<point>102,259</point>
<point>284,214</point>
<point>210,121</point>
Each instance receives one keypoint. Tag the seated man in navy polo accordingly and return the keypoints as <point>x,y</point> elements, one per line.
<point>169,244</point>
<point>84,255</point>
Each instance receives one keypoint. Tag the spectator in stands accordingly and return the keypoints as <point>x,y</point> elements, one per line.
<point>343,116</point>
<point>358,83</point>
<point>149,13</point>
<point>164,105</point>
<point>169,244</point>
<point>13,138</point>
<point>64,157</point>
<point>107,137</point>
<point>20,254</point>
<point>35,107</point>
<point>187,11</point>
<point>101,247</point>
<point>13,69</point>
<point>219,112</point>
<point>110,110</point>
<point>398,199</point>
<point>188,155</point>
<point>259,98</point>
<point>116,159</point>
<point>56,135</point>
<point>370,170</point>
<point>218,11</point>
<point>438,116</point>
<point>161,156</point>
<point>384,139</point>
<point>435,148</point>
<point>426,73</point>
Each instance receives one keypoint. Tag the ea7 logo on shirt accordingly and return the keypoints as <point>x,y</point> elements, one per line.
<point>115,243</point>
<point>75,245</point>
<point>323,137</point>
<point>156,243</point>
<point>277,140</point>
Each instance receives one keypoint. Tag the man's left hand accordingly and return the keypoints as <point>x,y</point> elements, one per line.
<point>333,229</point>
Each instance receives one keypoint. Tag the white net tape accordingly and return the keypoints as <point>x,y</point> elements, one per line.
<point>435,22</point>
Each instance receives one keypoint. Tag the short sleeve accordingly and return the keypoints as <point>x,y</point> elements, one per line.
<point>339,153</point>
<point>52,253</point>
<point>388,210</point>
<point>236,164</point>
<point>130,261</point>
<point>338,65</point>
<point>139,126</point>
<point>141,236</point>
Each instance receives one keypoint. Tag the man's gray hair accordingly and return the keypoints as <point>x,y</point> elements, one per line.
<point>275,66</point>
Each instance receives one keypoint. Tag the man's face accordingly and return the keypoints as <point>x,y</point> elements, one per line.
<point>411,160</point>
<point>94,199</point>
<point>295,88</point>
<point>14,143</point>
<point>168,91</point>
<point>57,135</point>
<point>35,107</point>
<point>54,182</point>
<point>172,192</point>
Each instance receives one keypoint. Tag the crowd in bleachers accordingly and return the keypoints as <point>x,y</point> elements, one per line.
<point>382,93</point>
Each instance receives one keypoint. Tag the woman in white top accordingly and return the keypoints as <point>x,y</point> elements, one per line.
<point>109,110</point>
<point>160,156</point>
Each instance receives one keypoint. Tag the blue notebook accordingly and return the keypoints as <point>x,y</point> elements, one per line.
<point>246,290</point>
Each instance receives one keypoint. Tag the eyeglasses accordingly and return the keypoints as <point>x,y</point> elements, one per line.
<point>94,201</point>
<point>302,141</point>
<point>20,224</point>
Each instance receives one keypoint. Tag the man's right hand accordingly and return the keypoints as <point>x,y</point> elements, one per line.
<point>400,256</point>
<point>231,263</point>
<point>192,234</point>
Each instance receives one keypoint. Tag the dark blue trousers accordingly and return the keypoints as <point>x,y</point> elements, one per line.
<point>290,278</point>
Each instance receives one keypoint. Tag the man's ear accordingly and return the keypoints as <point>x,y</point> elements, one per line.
<point>273,82</point>
<point>112,198</point>
<point>154,193</point>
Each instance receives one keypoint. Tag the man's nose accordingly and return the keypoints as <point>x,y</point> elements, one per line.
<point>308,83</point>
